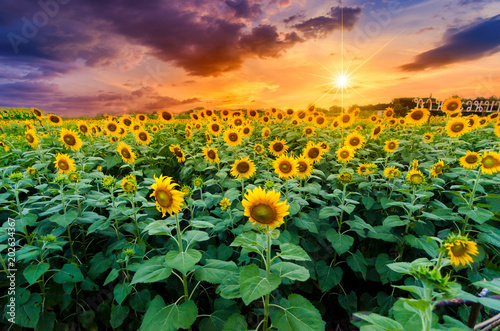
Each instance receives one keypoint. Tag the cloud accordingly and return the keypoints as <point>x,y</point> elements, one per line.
<point>320,26</point>
<point>293,18</point>
<point>243,9</point>
<point>468,43</point>
<point>424,30</point>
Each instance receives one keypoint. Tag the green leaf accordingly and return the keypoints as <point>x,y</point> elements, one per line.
<point>368,201</point>
<point>169,318</point>
<point>329,211</point>
<point>294,208</point>
<point>223,309</point>
<point>254,283</point>
<point>430,247</point>
<point>235,322</point>
<point>121,291</point>
<point>291,271</point>
<point>183,261</point>
<point>298,314</point>
<point>293,252</point>
<point>328,277</point>
<point>118,315</point>
<point>65,219</point>
<point>493,287</point>
<point>347,208</point>
<point>35,271</point>
<point>340,242</point>
<point>394,220</point>
<point>384,323</point>
<point>406,316</point>
<point>229,287</point>
<point>98,264</point>
<point>358,263</point>
<point>28,314</point>
<point>480,215</point>
<point>151,274</point>
<point>251,241</point>
<point>303,221</point>
<point>69,273</point>
<point>190,237</point>
<point>113,274</point>
<point>215,271</point>
<point>421,305</point>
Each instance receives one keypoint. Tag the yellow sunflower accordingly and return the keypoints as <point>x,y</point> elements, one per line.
<point>460,249</point>
<point>126,121</point>
<point>304,167</point>
<point>224,204</point>
<point>415,177</point>
<point>83,127</point>
<point>167,198</point>
<point>243,168</point>
<point>365,169</point>
<point>391,145</point>
<point>377,131</point>
<point>112,127</point>
<point>354,140</point>
<point>437,168</point>
<point>70,139</point>
<point>456,127</point>
<point>345,177</point>
<point>215,128</point>
<point>346,120</point>
<point>166,116</point>
<point>126,152</point>
<point>278,147</point>
<point>37,112</point>
<point>497,131</point>
<point>54,120</point>
<point>141,117</point>
<point>313,152</point>
<point>345,154</point>
<point>64,164</point>
<point>451,105</point>
<point>320,121</point>
<point>188,134</point>
<point>129,184</point>
<point>258,148</point>
<point>211,155</point>
<point>246,131</point>
<point>264,208</point>
<point>308,131</point>
<point>31,138</point>
<point>232,138</point>
<point>374,118</point>
<point>266,132</point>
<point>238,121</point>
<point>490,163</point>
<point>252,113</point>
<point>389,112</point>
<point>418,116</point>
<point>285,167</point>
<point>428,137</point>
<point>392,172</point>
<point>471,160</point>
<point>142,136</point>
<point>473,122</point>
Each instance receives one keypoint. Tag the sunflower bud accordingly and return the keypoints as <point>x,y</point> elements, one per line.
<point>16,176</point>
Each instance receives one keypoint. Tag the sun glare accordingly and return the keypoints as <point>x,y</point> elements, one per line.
<point>342,81</point>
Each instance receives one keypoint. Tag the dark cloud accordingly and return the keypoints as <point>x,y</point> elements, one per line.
<point>465,44</point>
<point>293,18</point>
<point>320,26</point>
<point>243,9</point>
<point>167,102</point>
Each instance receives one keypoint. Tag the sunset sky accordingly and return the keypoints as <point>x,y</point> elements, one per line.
<point>77,58</point>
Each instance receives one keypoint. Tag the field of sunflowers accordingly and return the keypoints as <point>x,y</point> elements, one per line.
<point>251,220</point>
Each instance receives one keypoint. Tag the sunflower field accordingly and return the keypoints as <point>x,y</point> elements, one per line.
<point>251,220</point>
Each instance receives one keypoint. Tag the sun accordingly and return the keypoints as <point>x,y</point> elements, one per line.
<point>342,81</point>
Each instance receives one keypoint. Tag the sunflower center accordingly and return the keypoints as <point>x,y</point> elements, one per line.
<point>302,115</point>
<point>125,153</point>
<point>246,130</point>
<point>263,214</point>
<point>417,115</point>
<point>471,159</point>
<point>163,198</point>
<point>346,118</point>
<point>459,249</point>
<point>285,167</point>
<point>211,154</point>
<point>54,119</point>
<point>320,120</point>
<point>416,179</point>
<point>389,113</point>
<point>278,147</point>
<point>242,167</point>
<point>253,113</point>
<point>215,127</point>
<point>344,154</point>
<point>355,141</point>
<point>258,149</point>
<point>452,106</point>
<point>84,129</point>
<point>490,162</point>
<point>313,153</point>
<point>438,169</point>
<point>308,131</point>
<point>377,130</point>
<point>112,127</point>
<point>392,146</point>
<point>178,153</point>
<point>457,127</point>
<point>302,166</point>
<point>69,140</point>
<point>30,138</point>
<point>63,165</point>
<point>143,136</point>
<point>37,112</point>
<point>238,122</point>
<point>233,137</point>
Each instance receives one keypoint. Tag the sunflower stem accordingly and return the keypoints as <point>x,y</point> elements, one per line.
<point>471,202</point>
<point>268,272</point>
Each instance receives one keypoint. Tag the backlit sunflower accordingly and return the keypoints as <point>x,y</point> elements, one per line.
<point>304,167</point>
<point>168,200</point>
<point>308,131</point>
<point>258,148</point>
<point>490,163</point>
<point>252,113</point>
<point>278,147</point>
<point>31,138</point>
<point>345,154</point>
<point>451,105</point>
<point>415,177</point>
<point>346,120</point>
<point>84,128</point>
<point>264,208</point>
<point>418,116</point>
<point>285,167</point>
<point>142,137</point>
<point>456,127</point>
<point>460,249</point>
<point>238,121</point>
<point>301,115</point>
<point>354,140</point>
<point>64,164</point>
<point>471,160</point>
<point>210,154</point>
<point>232,138</point>
<point>54,120</point>
<point>70,139</point>
<point>428,137</point>
<point>266,132</point>
<point>392,172</point>
<point>126,152</point>
<point>377,131</point>
<point>141,117</point>
<point>243,168</point>
<point>126,121</point>
<point>437,168</point>
<point>166,116</point>
<point>320,121</point>
<point>37,112</point>
<point>389,112</point>
<point>391,145</point>
<point>473,122</point>
<point>215,128</point>
<point>313,152</point>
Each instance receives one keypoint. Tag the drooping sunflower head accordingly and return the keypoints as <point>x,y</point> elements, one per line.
<point>210,155</point>
<point>456,127</point>
<point>304,167</point>
<point>391,145</point>
<point>258,148</point>
<point>31,171</point>
<point>345,177</point>
<point>392,172</point>
<point>167,198</point>
<point>37,112</point>
<point>126,153</point>
<point>70,139</point>
<point>243,168</point>
<point>471,160</point>
<point>264,208</point>
<point>345,154</point>
<point>64,164</point>
<point>437,168</point>
<point>232,138</point>
<point>285,167</point>
<point>451,105</point>
<point>355,140</point>
<point>278,147</point>
<point>428,137</point>
<point>460,249</point>
<point>490,163</point>
<point>54,120</point>
<point>142,137</point>
<point>418,116</point>
<point>308,131</point>
<point>415,177</point>
<point>224,204</point>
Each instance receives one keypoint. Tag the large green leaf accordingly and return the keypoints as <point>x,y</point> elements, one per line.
<point>254,283</point>
<point>118,315</point>
<point>64,219</point>
<point>229,287</point>
<point>293,252</point>
<point>183,261</point>
<point>35,271</point>
<point>69,273</point>
<point>190,237</point>
<point>291,271</point>
<point>169,318</point>
<point>235,322</point>
<point>215,271</point>
<point>151,274</point>
<point>250,240</point>
<point>340,242</point>
<point>328,277</point>
<point>384,323</point>
<point>358,263</point>
<point>121,291</point>
<point>298,314</point>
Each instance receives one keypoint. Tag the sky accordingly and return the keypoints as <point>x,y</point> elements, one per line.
<point>89,57</point>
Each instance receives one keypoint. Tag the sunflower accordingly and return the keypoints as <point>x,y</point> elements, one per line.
<point>31,138</point>
<point>188,134</point>
<point>112,127</point>
<point>129,184</point>
<point>497,131</point>
<point>401,122</point>
<point>246,131</point>
<point>54,119</point>
<point>141,117</point>
<point>392,172</point>
<point>354,140</point>
<point>320,121</point>
<point>374,118</point>
<point>210,154</point>
<point>346,120</point>
<point>142,136</point>
<point>366,169</point>
<point>392,122</point>
<point>471,160</point>
<point>490,163</point>
<point>70,139</point>
<point>179,154</point>
<point>482,121</point>
<point>83,127</point>
<point>243,168</point>
<point>126,121</point>
<point>238,121</point>
<point>345,154</point>
<point>232,138</point>
<point>64,164</point>
<point>264,208</point>
<point>126,152</point>
<point>345,177</point>
<point>304,167</point>
<point>437,168</point>
<point>473,122</point>
<point>308,131</point>
<point>377,131</point>
<point>252,113</point>
<point>415,177</point>
<point>74,177</point>
<point>391,145</point>
<point>208,137</point>
<point>4,146</point>
<point>335,124</point>
<point>278,147</point>
<point>31,171</point>
<point>215,128</point>
<point>167,199</point>
<point>265,119</point>
<point>266,132</point>
<point>224,204</point>
<point>314,152</point>
<point>258,148</point>
<point>324,147</point>
<point>418,116</point>
<point>451,105</point>
<point>37,112</point>
<point>166,116</point>
<point>285,167</point>
<point>301,114</point>
<point>457,126</point>
<point>460,249</point>
<point>295,121</point>
<point>428,137</point>
<point>389,112</point>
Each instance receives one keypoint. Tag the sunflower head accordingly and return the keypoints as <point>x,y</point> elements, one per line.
<point>345,177</point>
<point>456,127</point>
<point>243,168</point>
<point>418,116</point>
<point>304,167</point>
<point>16,176</point>
<point>490,163</point>
<point>74,177</point>
<point>210,154</point>
<point>167,198</point>
<point>129,184</point>
<point>392,172</point>
<point>224,204</point>
<point>232,138</point>
<point>126,153</point>
<point>415,177</point>
<point>64,164</point>
<point>31,171</point>
<point>451,105</point>
<point>278,147</point>
<point>70,139</point>
<point>345,154</point>
<point>389,112</point>
<point>54,120</point>
<point>108,182</point>
<point>391,145</point>
<point>285,167</point>
<point>354,140</point>
<point>377,131</point>
<point>437,168</point>
<point>308,131</point>
<point>258,148</point>
<point>264,208</point>
<point>428,137</point>
<point>459,248</point>
<point>142,137</point>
